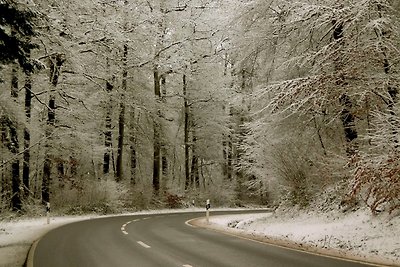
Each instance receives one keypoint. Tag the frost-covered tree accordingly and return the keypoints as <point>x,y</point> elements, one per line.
<point>16,32</point>
<point>336,64</point>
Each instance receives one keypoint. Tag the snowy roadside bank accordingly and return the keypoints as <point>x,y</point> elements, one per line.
<point>357,236</point>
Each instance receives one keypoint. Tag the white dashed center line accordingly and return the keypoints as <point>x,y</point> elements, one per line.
<point>143,244</point>
<point>187,265</point>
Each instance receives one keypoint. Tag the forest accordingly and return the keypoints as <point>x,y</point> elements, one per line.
<point>110,105</point>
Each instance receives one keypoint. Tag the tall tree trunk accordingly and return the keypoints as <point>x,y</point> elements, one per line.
<point>121,121</point>
<point>186,133</point>
<point>56,61</point>
<point>163,151</point>
<point>195,176</point>
<point>108,132</point>
<point>227,147</point>
<point>14,81</point>
<point>133,160</point>
<point>157,143</point>
<point>346,115</point>
<point>14,148</point>
<point>60,172</point>
<point>120,149</point>
<point>27,135</point>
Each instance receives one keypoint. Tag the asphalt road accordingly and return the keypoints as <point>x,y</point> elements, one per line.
<point>161,240</point>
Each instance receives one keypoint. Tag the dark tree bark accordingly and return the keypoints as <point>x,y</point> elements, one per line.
<point>157,143</point>
<point>121,120</point>
<point>120,149</point>
<point>163,151</point>
<point>186,134</point>
<point>60,172</point>
<point>133,161</point>
<point>229,158</point>
<point>56,61</point>
<point>14,81</point>
<point>14,148</point>
<point>132,142</point>
<point>108,133</point>
<point>27,135</point>
<point>9,137</point>
<point>346,114</point>
<point>194,174</point>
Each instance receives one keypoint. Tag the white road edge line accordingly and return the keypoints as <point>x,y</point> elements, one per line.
<point>188,223</point>
<point>124,225</point>
<point>143,244</point>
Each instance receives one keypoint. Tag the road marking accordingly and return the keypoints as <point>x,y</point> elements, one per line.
<point>188,223</point>
<point>136,220</point>
<point>187,265</point>
<point>123,227</point>
<point>143,244</point>
<point>146,218</point>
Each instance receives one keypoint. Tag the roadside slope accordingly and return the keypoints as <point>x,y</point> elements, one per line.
<point>357,236</point>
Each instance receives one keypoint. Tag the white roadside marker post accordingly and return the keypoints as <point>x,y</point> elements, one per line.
<point>48,212</point>
<point>208,211</point>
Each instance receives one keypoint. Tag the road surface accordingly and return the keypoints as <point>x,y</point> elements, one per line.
<point>161,240</point>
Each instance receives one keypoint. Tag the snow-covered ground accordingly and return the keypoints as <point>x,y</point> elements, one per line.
<point>358,235</point>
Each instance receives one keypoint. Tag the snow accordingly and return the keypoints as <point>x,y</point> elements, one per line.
<point>358,235</point>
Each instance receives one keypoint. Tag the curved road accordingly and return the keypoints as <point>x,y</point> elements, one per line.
<point>161,240</point>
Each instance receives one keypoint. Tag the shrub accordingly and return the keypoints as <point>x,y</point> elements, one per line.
<point>377,181</point>
<point>88,196</point>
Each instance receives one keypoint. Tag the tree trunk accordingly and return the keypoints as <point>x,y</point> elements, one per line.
<point>163,151</point>
<point>346,114</point>
<point>14,81</point>
<point>47,160</point>
<point>121,121</point>
<point>56,61</point>
<point>157,145</point>
<point>120,149</point>
<point>186,133</point>
<point>108,133</point>
<point>132,141</point>
<point>27,135</point>
<point>14,148</point>
<point>195,177</point>
<point>156,162</point>
<point>133,161</point>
